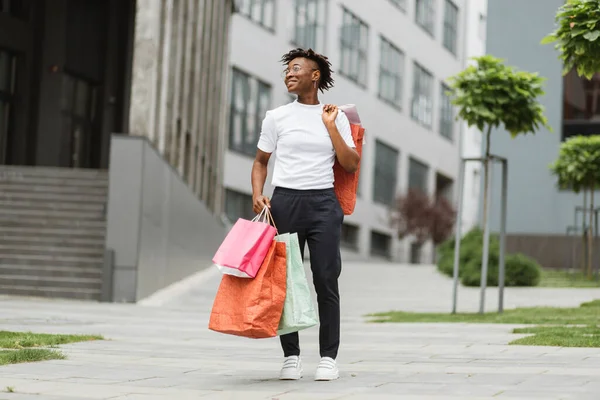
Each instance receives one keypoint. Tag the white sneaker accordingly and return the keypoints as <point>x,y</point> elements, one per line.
<point>292,369</point>
<point>327,370</point>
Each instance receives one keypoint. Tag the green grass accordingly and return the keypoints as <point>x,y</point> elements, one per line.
<point>562,336</point>
<point>563,279</point>
<point>28,355</point>
<point>20,340</point>
<point>557,323</point>
<point>20,347</point>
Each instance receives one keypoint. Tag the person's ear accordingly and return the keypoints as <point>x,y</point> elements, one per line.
<point>316,76</point>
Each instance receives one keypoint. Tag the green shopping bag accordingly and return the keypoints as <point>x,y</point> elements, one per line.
<point>298,310</point>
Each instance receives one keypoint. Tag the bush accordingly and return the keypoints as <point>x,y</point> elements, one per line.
<point>520,269</point>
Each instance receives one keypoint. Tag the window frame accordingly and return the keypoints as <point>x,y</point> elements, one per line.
<point>446,113</point>
<point>318,24</point>
<point>450,37</point>
<point>382,175</point>
<point>427,20</point>
<point>399,4</point>
<point>240,197</point>
<point>247,12</point>
<point>420,72</point>
<point>357,50</point>
<point>386,70</point>
<point>422,167</point>
<point>251,114</point>
<point>388,239</point>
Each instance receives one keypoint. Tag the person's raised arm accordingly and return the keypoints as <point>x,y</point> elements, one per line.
<point>259,176</point>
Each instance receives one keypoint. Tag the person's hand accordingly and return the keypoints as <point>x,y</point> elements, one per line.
<point>260,202</point>
<point>330,113</point>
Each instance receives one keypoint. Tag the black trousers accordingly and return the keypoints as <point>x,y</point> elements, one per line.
<point>316,216</point>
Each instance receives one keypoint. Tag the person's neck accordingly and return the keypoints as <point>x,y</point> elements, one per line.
<point>310,99</point>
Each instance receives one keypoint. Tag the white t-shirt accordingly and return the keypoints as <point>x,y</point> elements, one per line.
<point>305,154</point>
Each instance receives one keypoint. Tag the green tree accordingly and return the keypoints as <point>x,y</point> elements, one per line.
<point>578,168</point>
<point>489,94</point>
<point>577,36</point>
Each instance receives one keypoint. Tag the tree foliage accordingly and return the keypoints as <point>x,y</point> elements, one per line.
<point>577,36</point>
<point>490,94</point>
<point>578,164</point>
<point>424,218</point>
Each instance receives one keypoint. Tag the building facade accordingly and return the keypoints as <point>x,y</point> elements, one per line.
<point>113,122</point>
<point>391,58</point>
<point>539,214</point>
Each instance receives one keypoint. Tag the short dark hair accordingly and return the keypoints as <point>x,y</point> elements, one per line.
<point>326,81</point>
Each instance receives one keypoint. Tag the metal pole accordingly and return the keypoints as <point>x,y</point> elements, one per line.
<point>486,236</point>
<point>501,269</point>
<point>458,234</point>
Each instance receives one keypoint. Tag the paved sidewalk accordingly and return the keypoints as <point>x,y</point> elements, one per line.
<point>168,353</point>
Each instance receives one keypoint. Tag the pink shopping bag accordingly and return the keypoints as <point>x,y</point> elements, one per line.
<point>245,247</point>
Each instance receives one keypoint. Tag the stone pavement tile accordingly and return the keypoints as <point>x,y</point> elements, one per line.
<point>22,396</point>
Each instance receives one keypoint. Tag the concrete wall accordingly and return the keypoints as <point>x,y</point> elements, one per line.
<point>159,230</point>
<point>392,125</point>
<point>179,87</point>
<point>535,206</point>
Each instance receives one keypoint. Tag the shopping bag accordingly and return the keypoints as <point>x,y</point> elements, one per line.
<point>252,307</point>
<point>245,246</point>
<point>298,310</point>
<point>345,183</point>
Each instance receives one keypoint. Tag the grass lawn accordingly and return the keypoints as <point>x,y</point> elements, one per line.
<point>20,347</point>
<point>557,323</point>
<point>561,278</point>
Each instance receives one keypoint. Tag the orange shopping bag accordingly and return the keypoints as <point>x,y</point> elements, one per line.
<point>345,183</point>
<point>252,307</point>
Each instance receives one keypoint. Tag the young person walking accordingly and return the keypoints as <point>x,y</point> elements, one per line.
<point>307,137</point>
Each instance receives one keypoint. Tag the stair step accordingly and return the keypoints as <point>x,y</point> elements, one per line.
<point>51,271</point>
<point>51,281</point>
<point>7,249</point>
<point>6,172</point>
<point>69,215</point>
<point>24,187</point>
<point>46,222</point>
<point>34,204</point>
<point>68,198</point>
<point>35,239</point>
<point>51,259</point>
<point>62,232</point>
<point>58,181</point>
<point>74,293</point>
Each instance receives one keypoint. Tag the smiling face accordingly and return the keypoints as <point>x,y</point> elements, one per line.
<point>300,76</point>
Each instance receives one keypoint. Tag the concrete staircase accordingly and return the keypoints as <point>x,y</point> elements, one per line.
<point>52,231</point>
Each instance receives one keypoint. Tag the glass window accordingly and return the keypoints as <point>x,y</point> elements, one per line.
<point>391,71</point>
<point>450,26</point>
<point>422,101</point>
<point>309,24</point>
<point>250,100</point>
<point>417,175</point>
<point>349,237</point>
<point>238,205</point>
<point>78,103</point>
<point>260,11</point>
<point>581,105</point>
<point>354,48</point>
<point>446,113</point>
<point>385,177</point>
<point>425,15</point>
<point>381,244</point>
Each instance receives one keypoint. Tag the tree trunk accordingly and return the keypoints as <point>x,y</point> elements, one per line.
<point>591,235</point>
<point>584,243</point>
<point>486,166</point>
